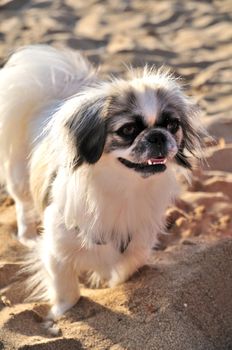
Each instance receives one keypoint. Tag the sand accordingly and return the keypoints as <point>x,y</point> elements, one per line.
<point>182,300</point>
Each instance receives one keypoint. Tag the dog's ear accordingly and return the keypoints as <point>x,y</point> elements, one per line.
<point>193,134</point>
<point>87,128</point>
<point>181,157</point>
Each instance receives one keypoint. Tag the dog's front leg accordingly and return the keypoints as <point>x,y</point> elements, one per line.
<point>63,289</point>
<point>57,252</point>
<point>134,257</point>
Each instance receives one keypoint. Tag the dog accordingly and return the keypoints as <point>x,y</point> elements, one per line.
<point>95,161</point>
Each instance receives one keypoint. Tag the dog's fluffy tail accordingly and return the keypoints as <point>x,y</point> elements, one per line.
<point>32,79</point>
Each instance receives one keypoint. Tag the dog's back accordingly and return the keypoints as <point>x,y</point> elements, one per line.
<point>33,78</point>
<point>33,82</point>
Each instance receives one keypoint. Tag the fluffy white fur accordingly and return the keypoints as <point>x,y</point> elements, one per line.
<point>41,88</point>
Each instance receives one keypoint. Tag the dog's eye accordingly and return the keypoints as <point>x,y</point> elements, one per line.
<point>128,130</point>
<point>166,117</point>
<point>169,122</point>
<point>173,125</point>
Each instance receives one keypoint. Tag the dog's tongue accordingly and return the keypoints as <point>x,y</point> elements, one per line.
<point>153,161</point>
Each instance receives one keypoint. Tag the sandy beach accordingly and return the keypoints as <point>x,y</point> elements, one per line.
<point>182,300</point>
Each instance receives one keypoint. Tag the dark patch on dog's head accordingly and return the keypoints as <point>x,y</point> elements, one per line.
<point>181,107</point>
<point>88,132</point>
<point>193,135</point>
<point>121,117</point>
<point>121,103</point>
<point>123,136</point>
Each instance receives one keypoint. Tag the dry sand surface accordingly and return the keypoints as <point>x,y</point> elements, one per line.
<point>183,300</point>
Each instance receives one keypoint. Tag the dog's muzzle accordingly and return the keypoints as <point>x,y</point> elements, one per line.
<point>157,145</point>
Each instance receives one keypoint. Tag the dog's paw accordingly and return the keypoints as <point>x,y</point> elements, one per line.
<point>117,277</point>
<point>58,310</point>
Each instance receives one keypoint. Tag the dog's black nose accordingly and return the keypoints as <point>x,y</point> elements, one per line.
<point>158,142</point>
<point>156,137</point>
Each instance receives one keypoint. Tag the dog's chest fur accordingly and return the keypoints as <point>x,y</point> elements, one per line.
<point>111,207</point>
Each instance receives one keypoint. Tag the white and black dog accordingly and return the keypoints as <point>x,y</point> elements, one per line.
<point>94,161</point>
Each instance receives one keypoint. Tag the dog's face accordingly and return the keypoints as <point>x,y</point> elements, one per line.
<point>144,130</point>
<point>145,124</point>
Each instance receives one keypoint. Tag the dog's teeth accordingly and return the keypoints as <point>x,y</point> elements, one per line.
<point>156,161</point>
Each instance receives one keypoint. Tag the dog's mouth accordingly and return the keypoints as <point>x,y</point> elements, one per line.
<point>152,165</point>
